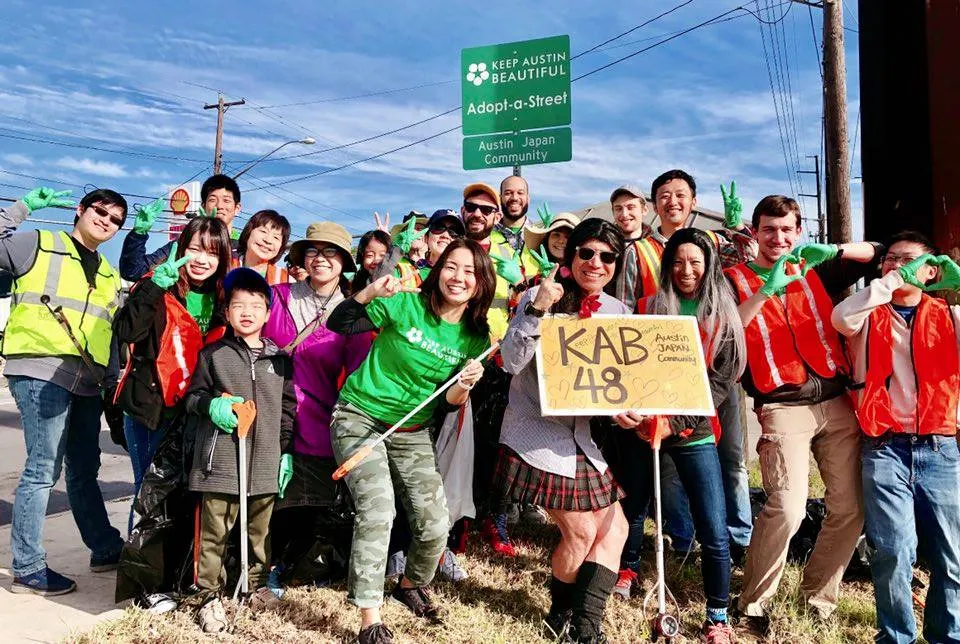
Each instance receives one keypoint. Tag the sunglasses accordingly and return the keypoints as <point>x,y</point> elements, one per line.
<point>103,212</point>
<point>469,206</point>
<point>327,251</point>
<point>606,256</point>
<point>439,229</point>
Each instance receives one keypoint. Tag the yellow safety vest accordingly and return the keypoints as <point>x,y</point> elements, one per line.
<point>58,273</point>
<point>498,315</point>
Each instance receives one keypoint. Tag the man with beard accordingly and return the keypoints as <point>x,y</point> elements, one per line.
<point>515,197</point>
<point>481,213</point>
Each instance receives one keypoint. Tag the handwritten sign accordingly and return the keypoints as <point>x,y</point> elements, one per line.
<point>607,364</point>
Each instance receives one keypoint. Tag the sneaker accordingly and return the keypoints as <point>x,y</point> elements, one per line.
<point>396,564</point>
<point>495,532</point>
<point>556,627</point>
<point>534,515</point>
<point>375,634</point>
<point>156,603</point>
<point>450,568</point>
<point>212,617</point>
<point>263,599</point>
<point>626,579</point>
<point>594,634</point>
<point>274,581</point>
<point>417,600</point>
<point>105,564</point>
<point>43,582</point>
<point>513,514</point>
<point>717,633</point>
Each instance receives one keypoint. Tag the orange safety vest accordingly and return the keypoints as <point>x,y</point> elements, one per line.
<point>177,353</point>
<point>933,348</point>
<point>649,256</point>
<point>274,274</point>
<point>786,339</point>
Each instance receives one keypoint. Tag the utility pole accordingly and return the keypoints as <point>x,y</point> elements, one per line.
<point>221,108</point>
<point>821,221</point>
<point>835,114</point>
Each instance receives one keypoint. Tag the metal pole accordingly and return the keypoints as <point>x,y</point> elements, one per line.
<point>821,221</point>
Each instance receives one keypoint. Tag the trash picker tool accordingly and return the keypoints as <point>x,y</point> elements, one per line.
<point>246,413</point>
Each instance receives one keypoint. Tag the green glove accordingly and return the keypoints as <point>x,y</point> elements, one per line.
<point>146,216</point>
<point>234,234</point>
<point>286,473</point>
<point>168,273</point>
<point>221,412</point>
<point>508,268</point>
<point>778,280</point>
<point>546,216</point>
<point>814,254</point>
<point>203,213</point>
<point>45,197</point>
<point>949,275</point>
<point>349,275</point>
<point>732,207</point>
<point>544,263</point>
<point>408,235</point>
<point>909,271</point>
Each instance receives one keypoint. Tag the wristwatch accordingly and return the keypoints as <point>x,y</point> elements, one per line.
<point>533,311</point>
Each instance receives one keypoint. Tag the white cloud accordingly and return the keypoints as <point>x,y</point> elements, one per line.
<point>18,159</point>
<point>89,166</point>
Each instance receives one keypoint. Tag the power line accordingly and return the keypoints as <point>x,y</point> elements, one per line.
<point>776,106</point>
<point>335,99</point>
<point>148,155</point>
<point>632,29</point>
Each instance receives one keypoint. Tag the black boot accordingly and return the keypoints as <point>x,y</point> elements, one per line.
<point>557,622</point>
<point>591,590</point>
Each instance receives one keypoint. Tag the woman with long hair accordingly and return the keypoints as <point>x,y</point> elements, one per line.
<point>552,461</point>
<point>424,338</point>
<point>262,243</point>
<point>321,360</point>
<point>371,250</point>
<point>170,315</point>
<point>691,283</point>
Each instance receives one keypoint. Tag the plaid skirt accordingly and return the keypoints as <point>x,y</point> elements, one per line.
<point>520,482</point>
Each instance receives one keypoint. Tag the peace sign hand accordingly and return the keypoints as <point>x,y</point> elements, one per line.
<point>408,235</point>
<point>382,224</point>
<point>168,273</point>
<point>45,197</point>
<point>546,215</point>
<point>543,259</point>
<point>732,207</point>
<point>146,216</point>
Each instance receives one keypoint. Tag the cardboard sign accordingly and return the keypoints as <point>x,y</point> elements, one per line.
<point>608,364</point>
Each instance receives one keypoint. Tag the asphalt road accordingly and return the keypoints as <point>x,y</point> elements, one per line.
<point>116,477</point>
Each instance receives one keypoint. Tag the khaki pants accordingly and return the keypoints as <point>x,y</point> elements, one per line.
<point>218,513</point>
<point>830,429</point>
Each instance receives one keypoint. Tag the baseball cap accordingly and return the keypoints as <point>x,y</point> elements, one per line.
<point>628,189</point>
<point>247,279</point>
<point>474,188</point>
<point>447,215</point>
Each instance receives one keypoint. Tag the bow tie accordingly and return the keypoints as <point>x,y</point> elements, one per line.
<point>589,305</point>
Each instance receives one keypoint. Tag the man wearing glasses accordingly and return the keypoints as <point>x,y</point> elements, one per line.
<point>55,377</point>
<point>798,375</point>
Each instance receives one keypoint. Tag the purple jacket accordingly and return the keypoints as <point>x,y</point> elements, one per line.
<point>319,365</point>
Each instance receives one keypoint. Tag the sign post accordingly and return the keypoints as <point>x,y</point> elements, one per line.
<point>608,364</point>
<point>510,88</point>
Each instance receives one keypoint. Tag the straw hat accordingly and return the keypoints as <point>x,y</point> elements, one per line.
<point>326,232</point>
<point>534,235</point>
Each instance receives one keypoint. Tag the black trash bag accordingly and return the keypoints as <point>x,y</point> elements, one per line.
<point>158,555</point>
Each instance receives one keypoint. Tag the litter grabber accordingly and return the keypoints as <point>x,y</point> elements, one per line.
<point>664,624</point>
<point>364,451</point>
<point>246,412</point>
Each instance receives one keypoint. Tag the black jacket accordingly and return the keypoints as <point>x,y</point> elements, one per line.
<point>225,367</point>
<point>141,322</point>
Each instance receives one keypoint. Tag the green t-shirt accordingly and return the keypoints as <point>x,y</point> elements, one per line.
<point>413,354</point>
<point>688,307</point>
<point>200,308</point>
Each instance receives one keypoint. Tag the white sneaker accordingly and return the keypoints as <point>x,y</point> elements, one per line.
<point>450,568</point>
<point>212,617</point>
<point>157,603</point>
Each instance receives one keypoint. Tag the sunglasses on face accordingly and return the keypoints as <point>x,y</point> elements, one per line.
<point>103,212</point>
<point>439,229</point>
<point>328,251</point>
<point>469,206</point>
<point>606,256</point>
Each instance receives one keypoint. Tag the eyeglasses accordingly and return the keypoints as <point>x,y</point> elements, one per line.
<point>606,256</point>
<point>103,212</point>
<point>897,259</point>
<point>469,206</point>
<point>327,251</point>
<point>439,229</point>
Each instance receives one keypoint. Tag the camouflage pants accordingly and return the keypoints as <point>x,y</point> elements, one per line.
<point>403,464</point>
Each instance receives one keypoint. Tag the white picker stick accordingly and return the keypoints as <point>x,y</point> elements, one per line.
<point>364,451</point>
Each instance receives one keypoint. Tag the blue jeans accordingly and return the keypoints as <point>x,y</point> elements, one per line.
<point>736,484</point>
<point>142,444</point>
<point>58,427</point>
<point>911,481</point>
<point>698,469</point>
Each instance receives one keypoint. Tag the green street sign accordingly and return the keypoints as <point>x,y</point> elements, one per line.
<point>524,148</point>
<point>516,86</point>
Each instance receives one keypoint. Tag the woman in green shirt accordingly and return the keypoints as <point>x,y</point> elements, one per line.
<point>425,336</point>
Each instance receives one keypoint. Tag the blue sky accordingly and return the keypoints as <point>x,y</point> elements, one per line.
<point>132,78</point>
